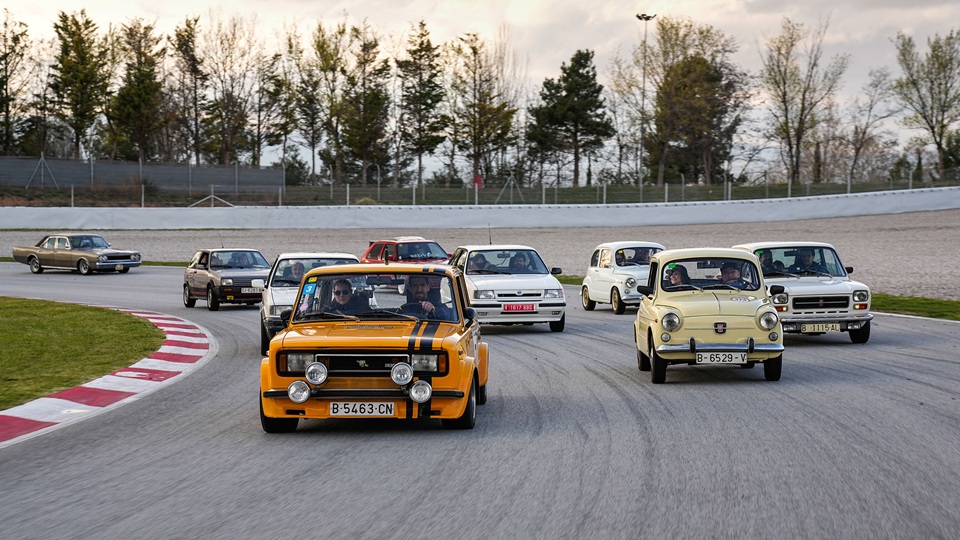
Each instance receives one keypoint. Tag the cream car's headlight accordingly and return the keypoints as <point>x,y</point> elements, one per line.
<point>423,362</point>
<point>484,295</point>
<point>861,296</point>
<point>781,298</point>
<point>670,322</point>
<point>227,282</point>
<point>553,293</point>
<point>769,320</point>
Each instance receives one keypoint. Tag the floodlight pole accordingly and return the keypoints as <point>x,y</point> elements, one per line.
<point>643,94</point>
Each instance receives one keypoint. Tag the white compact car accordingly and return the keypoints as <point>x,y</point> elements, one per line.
<point>280,288</point>
<point>818,296</point>
<point>510,284</point>
<point>616,268</point>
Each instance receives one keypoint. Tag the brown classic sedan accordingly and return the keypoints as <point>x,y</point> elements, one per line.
<point>85,253</point>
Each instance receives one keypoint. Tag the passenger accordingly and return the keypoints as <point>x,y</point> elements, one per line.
<point>620,258</point>
<point>642,256</point>
<point>418,289</point>
<point>518,263</point>
<point>767,265</point>
<point>296,271</point>
<point>478,263</point>
<point>805,263</point>
<point>678,276</point>
<point>343,299</point>
<point>215,261</point>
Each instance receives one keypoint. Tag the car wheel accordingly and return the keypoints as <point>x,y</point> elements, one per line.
<point>401,288</point>
<point>264,341</point>
<point>277,425</point>
<point>213,302</point>
<point>557,326</point>
<point>35,265</point>
<point>861,335</point>
<point>124,270</point>
<point>187,301</point>
<point>469,417</point>
<point>772,367</point>
<point>658,366</point>
<point>84,267</point>
<point>588,304</point>
<point>482,395</point>
<point>618,306</point>
<point>643,361</point>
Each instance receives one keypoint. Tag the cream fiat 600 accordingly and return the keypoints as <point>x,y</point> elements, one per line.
<point>707,307</point>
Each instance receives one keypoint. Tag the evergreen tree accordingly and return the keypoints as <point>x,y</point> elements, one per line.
<point>367,101</point>
<point>137,104</point>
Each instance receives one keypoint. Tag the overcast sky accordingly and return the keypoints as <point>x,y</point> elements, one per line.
<point>546,33</point>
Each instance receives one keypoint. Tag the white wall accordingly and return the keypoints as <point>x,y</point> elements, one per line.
<point>469,217</point>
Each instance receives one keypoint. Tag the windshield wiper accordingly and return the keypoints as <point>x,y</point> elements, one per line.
<point>681,287</point>
<point>779,273</point>
<point>387,312</point>
<point>327,315</point>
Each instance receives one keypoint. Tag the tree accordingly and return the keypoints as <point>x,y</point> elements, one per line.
<point>421,124</point>
<point>573,109</point>
<point>869,110</point>
<point>14,74</point>
<point>930,86</point>
<point>80,81</point>
<point>366,100</point>
<point>798,86</point>
<point>329,47</point>
<point>136,107</point>
<point>192,80</point>
<point>484,116</point>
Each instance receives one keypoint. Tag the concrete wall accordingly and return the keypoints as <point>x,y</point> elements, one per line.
<point>468,217</point>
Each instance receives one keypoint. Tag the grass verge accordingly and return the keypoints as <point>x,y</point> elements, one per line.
<point>49,346</point>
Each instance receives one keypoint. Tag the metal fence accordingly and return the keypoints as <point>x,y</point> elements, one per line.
<point>182,178</point>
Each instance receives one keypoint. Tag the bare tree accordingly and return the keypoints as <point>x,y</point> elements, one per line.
<point>798,86</point>
<point>930,86</point>
<point>870,108</point>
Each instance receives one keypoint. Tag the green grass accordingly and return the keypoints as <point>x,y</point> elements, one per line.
<point>913,305</point>
<point>49,346</point>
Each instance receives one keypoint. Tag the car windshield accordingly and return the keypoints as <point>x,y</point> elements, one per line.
<point>290,271</point>
<point>237,259</point>
<point>800,261</point>
<point>634,256</point>
<point>418,251</point>
<point>88,241</point>
<point>505,261</point>
<point>348,296</point>
<point>713,273</point>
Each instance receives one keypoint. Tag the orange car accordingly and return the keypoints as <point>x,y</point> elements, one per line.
<point>353,351</point>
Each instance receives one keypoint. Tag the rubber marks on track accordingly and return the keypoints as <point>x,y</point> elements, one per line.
<point>185,345</point>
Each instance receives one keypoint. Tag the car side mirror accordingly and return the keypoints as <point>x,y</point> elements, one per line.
<point>849,269</point>
<point>644,290</point>
<point>776,289</point>
<point>556,270</point>
<point>285,316</point>
<point>258,283</point>
<point>470,315</point>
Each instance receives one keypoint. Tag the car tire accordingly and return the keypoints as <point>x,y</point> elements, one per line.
<point>277,425</point>
<point>187,300</point>
<point>469,417</point>
<point>588,304</point>
<point>482,395</point>
<point>658,366</point>
<point>213,302</point>
<point>264,341</point>
<point>35,265</point>
<point>557,326</point>
<point>772,368</point>
<point>618,306</point>
<point>862,335</point>
<point>84,267</point>
<point>643,361</point>
<point>124,270</point>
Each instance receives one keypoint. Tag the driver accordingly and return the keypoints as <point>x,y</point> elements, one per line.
<point>730,275</point>
<point>418,287</point>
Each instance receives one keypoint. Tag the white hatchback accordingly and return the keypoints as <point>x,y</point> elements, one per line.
<point>280,288</point>
<point>615,271</point>
<point>510,284</point>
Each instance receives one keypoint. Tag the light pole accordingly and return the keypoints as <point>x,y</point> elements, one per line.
<point>643,94</point>
<point>377,165</point>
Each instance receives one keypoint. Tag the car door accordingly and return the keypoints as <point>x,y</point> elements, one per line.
<point>190,275</point>
<point>47,251</point>
<point>604,275</point>
<point>62,256</point>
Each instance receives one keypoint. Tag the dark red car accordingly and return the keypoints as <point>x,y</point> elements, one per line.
<point>406,249</point>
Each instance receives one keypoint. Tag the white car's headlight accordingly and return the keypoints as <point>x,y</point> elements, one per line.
<point>423,362</point>
<point>781,298</point>
<point>630,282</point>
<point>227,282</point>
<point>484,295</point>
<point>276,310</point>
<point>769,320</point>
<point>553,293</point>
<point>861,296</point>
<point>670,322</point>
